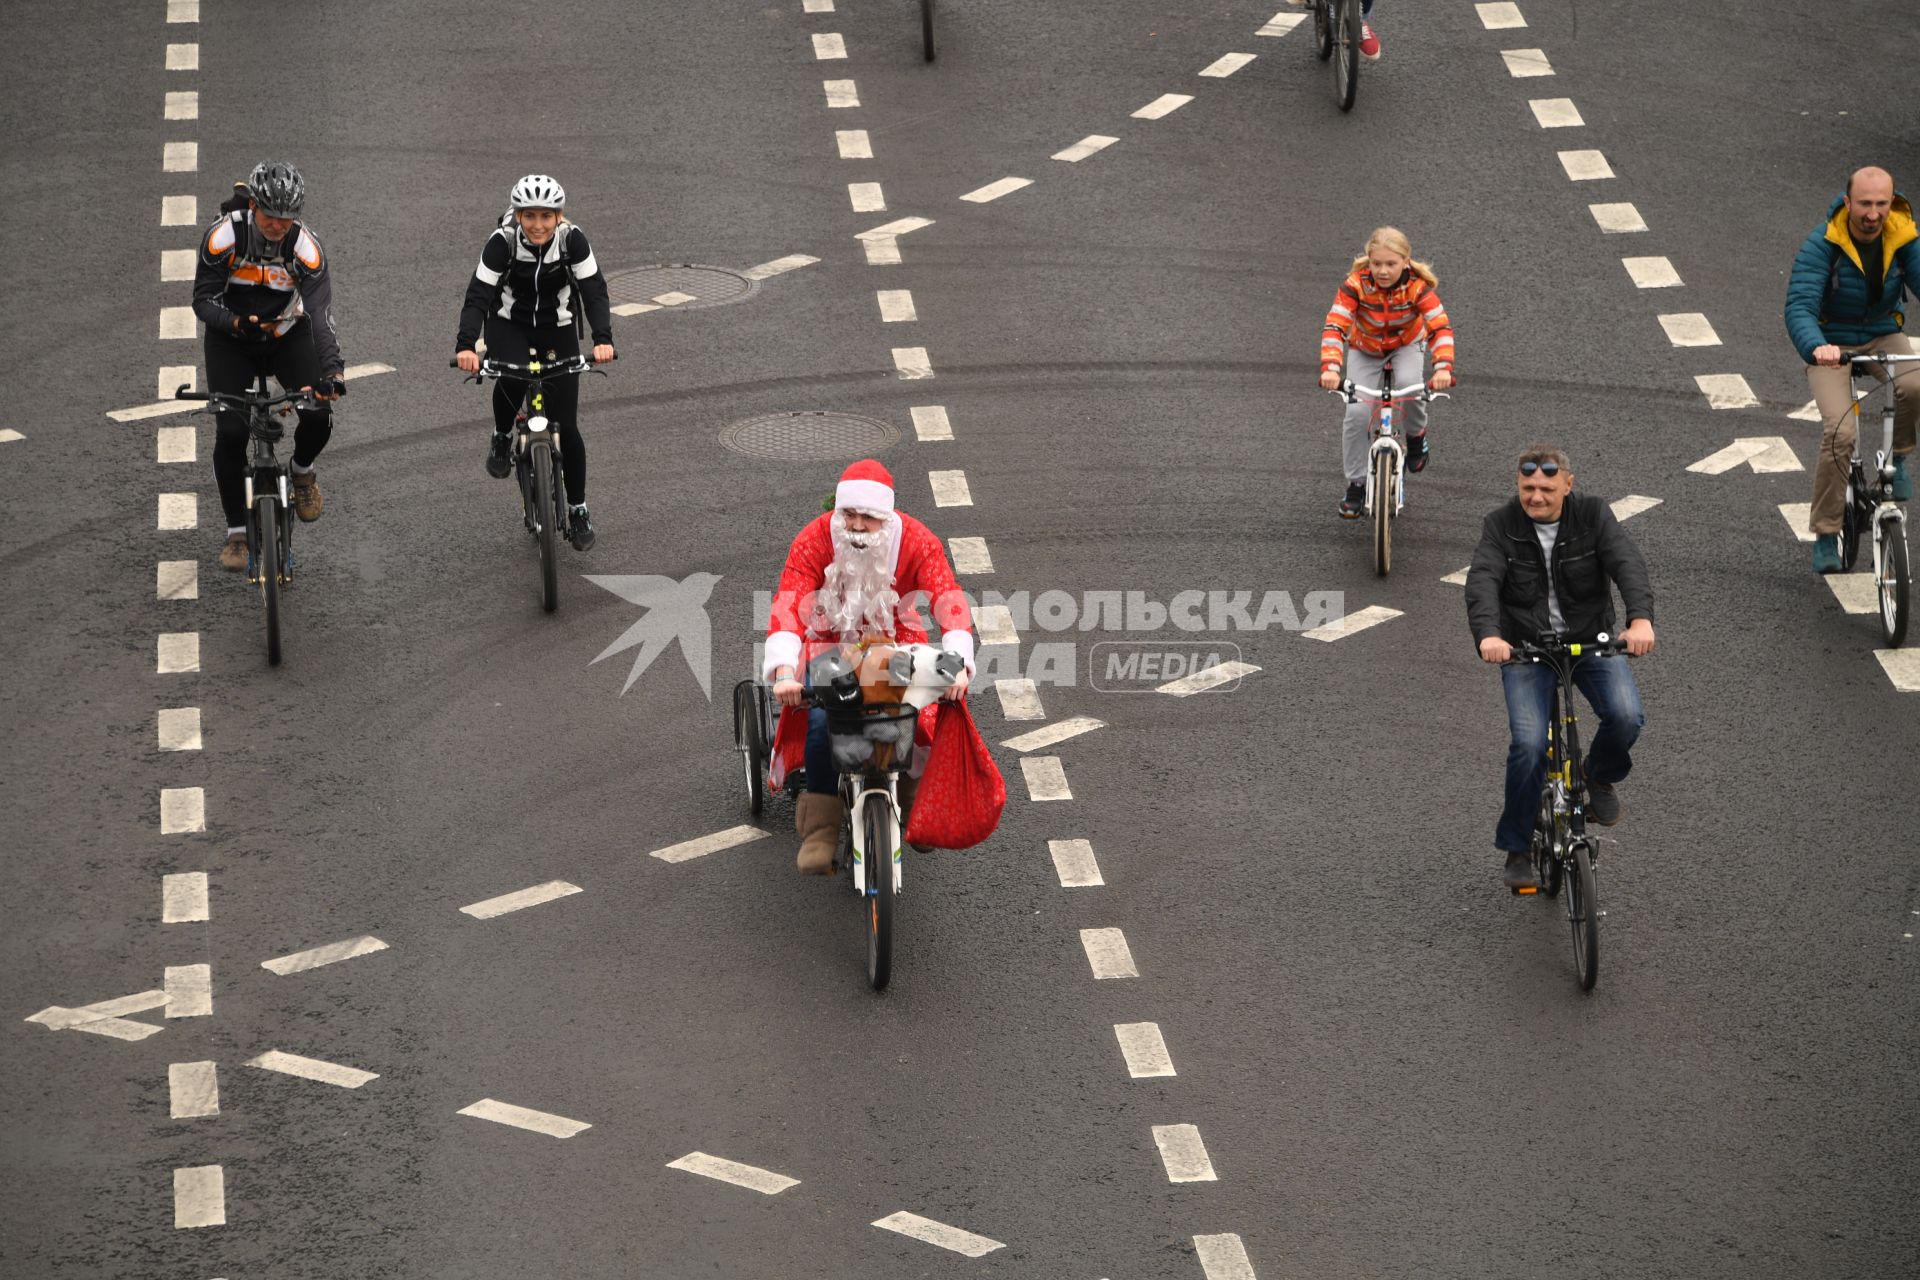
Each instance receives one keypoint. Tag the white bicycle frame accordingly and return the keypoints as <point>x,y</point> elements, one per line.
<point>1383,437</point>
<point>1887,512</point>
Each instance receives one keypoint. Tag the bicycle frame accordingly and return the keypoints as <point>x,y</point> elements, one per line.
<point>859,790</point>
<point>1875,501</point>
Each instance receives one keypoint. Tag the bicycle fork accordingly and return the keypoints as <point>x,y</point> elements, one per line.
<point>856,817</point>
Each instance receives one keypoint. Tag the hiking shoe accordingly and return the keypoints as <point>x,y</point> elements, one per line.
<point>1826,553</point>
<point>1603,804</point>
<point>1354,503</point>
<point>1369,43</point>
<point>308,501</point>
<point>499,463</point>
<point>580,529</point>
<point>1902,480</point>
<point>1417,451</point>
<point>1519,873</point>
<point>233,555</point>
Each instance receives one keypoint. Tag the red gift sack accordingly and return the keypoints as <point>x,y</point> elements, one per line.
<point>789,750</point>
<point>961,791</point>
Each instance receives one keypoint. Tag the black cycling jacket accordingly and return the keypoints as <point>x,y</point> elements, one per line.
<point>536,288</point>
<point>241,273</point>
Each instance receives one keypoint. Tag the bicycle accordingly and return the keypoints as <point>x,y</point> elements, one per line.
<point>1386,477</point>
<point>1336,31</point>
<point>1872,506</point>
<point>1564,851</point>
<point>926,28</point>
<point>536,461</point>
<point>269,528</point>
<point>877,701</point>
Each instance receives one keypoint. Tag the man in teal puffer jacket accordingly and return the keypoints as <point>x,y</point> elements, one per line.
<point>1844,297</point>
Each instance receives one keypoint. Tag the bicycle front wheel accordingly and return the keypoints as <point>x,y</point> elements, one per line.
<point>546,526</point>
<point>746,740</point>
<point>1384,499</point>
<point>1850,526</point>
<point>1583,912</point>
<point>926,28</point>
<point>1323,28</point>
<point>268,561</point>
<point>1892,579</point>
<point>879,904</point>
<point>1346,55</point>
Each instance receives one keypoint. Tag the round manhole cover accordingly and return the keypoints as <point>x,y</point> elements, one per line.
<point>806,437</point>
<point>678,286</point>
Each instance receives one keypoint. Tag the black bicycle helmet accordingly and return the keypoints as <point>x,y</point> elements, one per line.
<point>277,188</point>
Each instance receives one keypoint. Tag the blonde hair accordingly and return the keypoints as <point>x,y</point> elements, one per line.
<point>1395,240</point>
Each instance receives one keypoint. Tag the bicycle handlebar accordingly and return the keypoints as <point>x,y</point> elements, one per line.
<point>1554,647</point>
<point>533,372</point>
<point>247,400</point>
<point>1351,391</point>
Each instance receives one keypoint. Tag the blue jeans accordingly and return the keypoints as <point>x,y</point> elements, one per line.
<point>822,778</point>
<point>1608,684</point>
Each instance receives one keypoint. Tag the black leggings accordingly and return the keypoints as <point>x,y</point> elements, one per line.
<point>232,366</point>
<point>516,344</point>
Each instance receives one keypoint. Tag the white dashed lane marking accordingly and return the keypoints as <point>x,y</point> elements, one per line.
<point>292,1064</point>
<point>1652,273</point>
<point>926,1230</point>
<point>896,306</point>
<point>183,57</point>
<point>1226,64</point>
<point>1799,518</point>
<point>816,6</point>
<point>970,555</point>
<point>866,197</point>
<point>178,728</point>
<point>895,229</point>
<point>1556,113</point>
<point>1810,411</point>
<point>524,1118</point>
<point>180,157</point>
<point>199,1196</point>
<point>674,299</point>
<point>173,444</point>
<point>183,10</point>
<point>1585,166</point>
<point>1761,453</point>
<point>994,622</point>
<point>8,435</point>
<point>1617,219</point>
<point>1144,1049</point>
<point>178,511</point>
<point>193,1090</point>
<point>183,898</point>
<point>994,190</point>
<point>1183,1153</point>
<point>1728,391</point>
<point>179,211</point>
<point>331,953</point>
<point>1371,616</point>
<point>189,989</point>
<point>950,489</point>
<point>183,105</point>
<point>1164,105</point>
<point>1209,678</point>
<point>1632,505</point>
<point>1689,329</point>
<point>853,144</point>
<point>1223,1257</point>
<point>520,899</point>
<point>1092,144</point>
<point>828,45</point>
<point>1074,863</point>
<point>1281,24</point>
<point>882,251</point>
<point>1108,954</point>
<point>182,809</point>
<point>1046,780</point>
<point>1500,17</point>
<point>177,580</point>
<point>1902,667</point>
<point>779,266</point>
<point>930,422</point>
<point>1059,731</point>
<point>687,850</point>
<point>177,322</point>
<point>1522,63</point>
<point>841,93</point>
<point>1019,698</point>
<point>172,377</point>
<point>84,1018</point>
<point>912,363</point>
<point>1855,592</point>
<point>1458,578</point>
<point>765,1181</point>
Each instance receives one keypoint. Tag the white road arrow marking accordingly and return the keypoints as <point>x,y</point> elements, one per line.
<point>1762,453</point>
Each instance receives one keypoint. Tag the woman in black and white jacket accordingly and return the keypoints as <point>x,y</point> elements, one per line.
<point>536,277</point>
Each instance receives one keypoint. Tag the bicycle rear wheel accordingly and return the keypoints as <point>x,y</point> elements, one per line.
<point>746,740</point>
<point>1892,579</point>
<point>268,561</point>
<point>1323,28</point>
<point>546,527</point>
<point>1346,55</point>
<point>926,28</point>
<point>878,816</point>
<point>1384,498</point>
<point>1583,912</point>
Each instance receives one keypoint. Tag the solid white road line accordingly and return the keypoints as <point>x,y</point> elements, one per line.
<point>1902,667</point>
<point>1652,273</point>
<point>1632,505</point>
<point>950,489</point>
<point>331,953</point>
<point>1059,731</point>
<point>930,422</point>
<point>1019,699</point>
<point>1725,391</point>
<point>173,444</point>
<point>292,1064</point>
<point>183,57</point>
<point>1223,1257</point>
<point>193,1090</point>
<point>1108,954</point>
<point>523,1118</point>
<point>1074,863</point>
<point>1046,780</point>
<point>180,157</point>
<point>199,1196</point>
<point>1617,219</point>
<point>893,230</point>
<point>994,622</point>
<point>994,190</point>
<point>882,251</point>
<point>178,511</point>
<point>866,197</point>
<point>970,555</point>
<point>179,728</point>
<point>1799,518</point>
<point>896,306</point>
<point>1371,616</point>
<point>1144,1049</point>
<point>182,106</point>
<point>926,1230</point>
<point>1164,105</point>
<point>1226,64</point>
<point>189,989</point>
<point>179,211</point>
<point>1500,17</point>
<point>1209,678</point>
<point>1556,113</point>
<point>912,363</point>
<point>183,10</point>
<point>1092,144</point>
<point>177,322</point>
<point>765,1181</point>
<point>854,144</point>
<point>182,809</point>
<point>183,897</point>
<point>1689,329</point>
<point>520,899</point>
<point>1585,166</point>
<point>828,45</point>
<point>841,93</point>
<point>177,580</point>
<point>1526,62</point>
<point>687,850</point>
<point>1856,592</point>
<point>171,378</point>
<point>779,266</point>
<point>1183,1153</point>
<point>1281,24</point>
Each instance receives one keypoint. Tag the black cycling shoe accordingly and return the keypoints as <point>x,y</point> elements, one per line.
<point>580,529</point>
<point>1354,503</point>
<point>1417,451</point>
<point>1603,803</point>
<point>499,463</point>
<point>1519,875</point>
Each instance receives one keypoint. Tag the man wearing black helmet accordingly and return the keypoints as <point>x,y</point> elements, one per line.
<point>263,290</point>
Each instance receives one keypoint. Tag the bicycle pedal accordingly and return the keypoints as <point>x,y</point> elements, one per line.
<point>1527,892</point>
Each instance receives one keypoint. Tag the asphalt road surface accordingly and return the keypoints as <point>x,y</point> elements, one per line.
<point>1245,998</point>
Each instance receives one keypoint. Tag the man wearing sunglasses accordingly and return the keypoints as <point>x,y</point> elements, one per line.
<point>1547,562</point>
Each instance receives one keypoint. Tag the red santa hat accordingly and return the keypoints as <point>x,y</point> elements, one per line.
<point>865,486</point>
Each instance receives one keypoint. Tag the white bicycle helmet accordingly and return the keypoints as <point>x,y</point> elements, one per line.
<point>537,191</point>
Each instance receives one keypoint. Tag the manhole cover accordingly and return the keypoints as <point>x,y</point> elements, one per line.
<point>684,285</point>
<point>805,437</point>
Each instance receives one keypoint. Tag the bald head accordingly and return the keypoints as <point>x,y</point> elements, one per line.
<point>1869,197</point>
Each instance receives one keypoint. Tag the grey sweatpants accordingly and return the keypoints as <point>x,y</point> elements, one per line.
<point>1409,365</point>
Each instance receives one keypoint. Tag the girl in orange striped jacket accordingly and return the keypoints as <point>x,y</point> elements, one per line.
<point>1386,314</point>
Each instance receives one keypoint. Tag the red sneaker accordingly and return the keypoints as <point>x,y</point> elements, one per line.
<point>1369,43</point>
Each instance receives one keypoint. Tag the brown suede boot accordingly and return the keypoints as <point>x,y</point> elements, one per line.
<point>817,818</point>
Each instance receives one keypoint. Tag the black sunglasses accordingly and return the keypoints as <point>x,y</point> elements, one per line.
<point>1548,469</point>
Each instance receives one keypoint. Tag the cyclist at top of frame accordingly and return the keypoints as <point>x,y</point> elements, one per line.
<point>536,278</point>
<point>1370,46</point>
<point>1543,564</point>
<point>262,287</point>
<point>1844,299</point>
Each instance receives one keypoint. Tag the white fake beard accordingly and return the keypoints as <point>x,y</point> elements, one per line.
<point>857,595</point>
